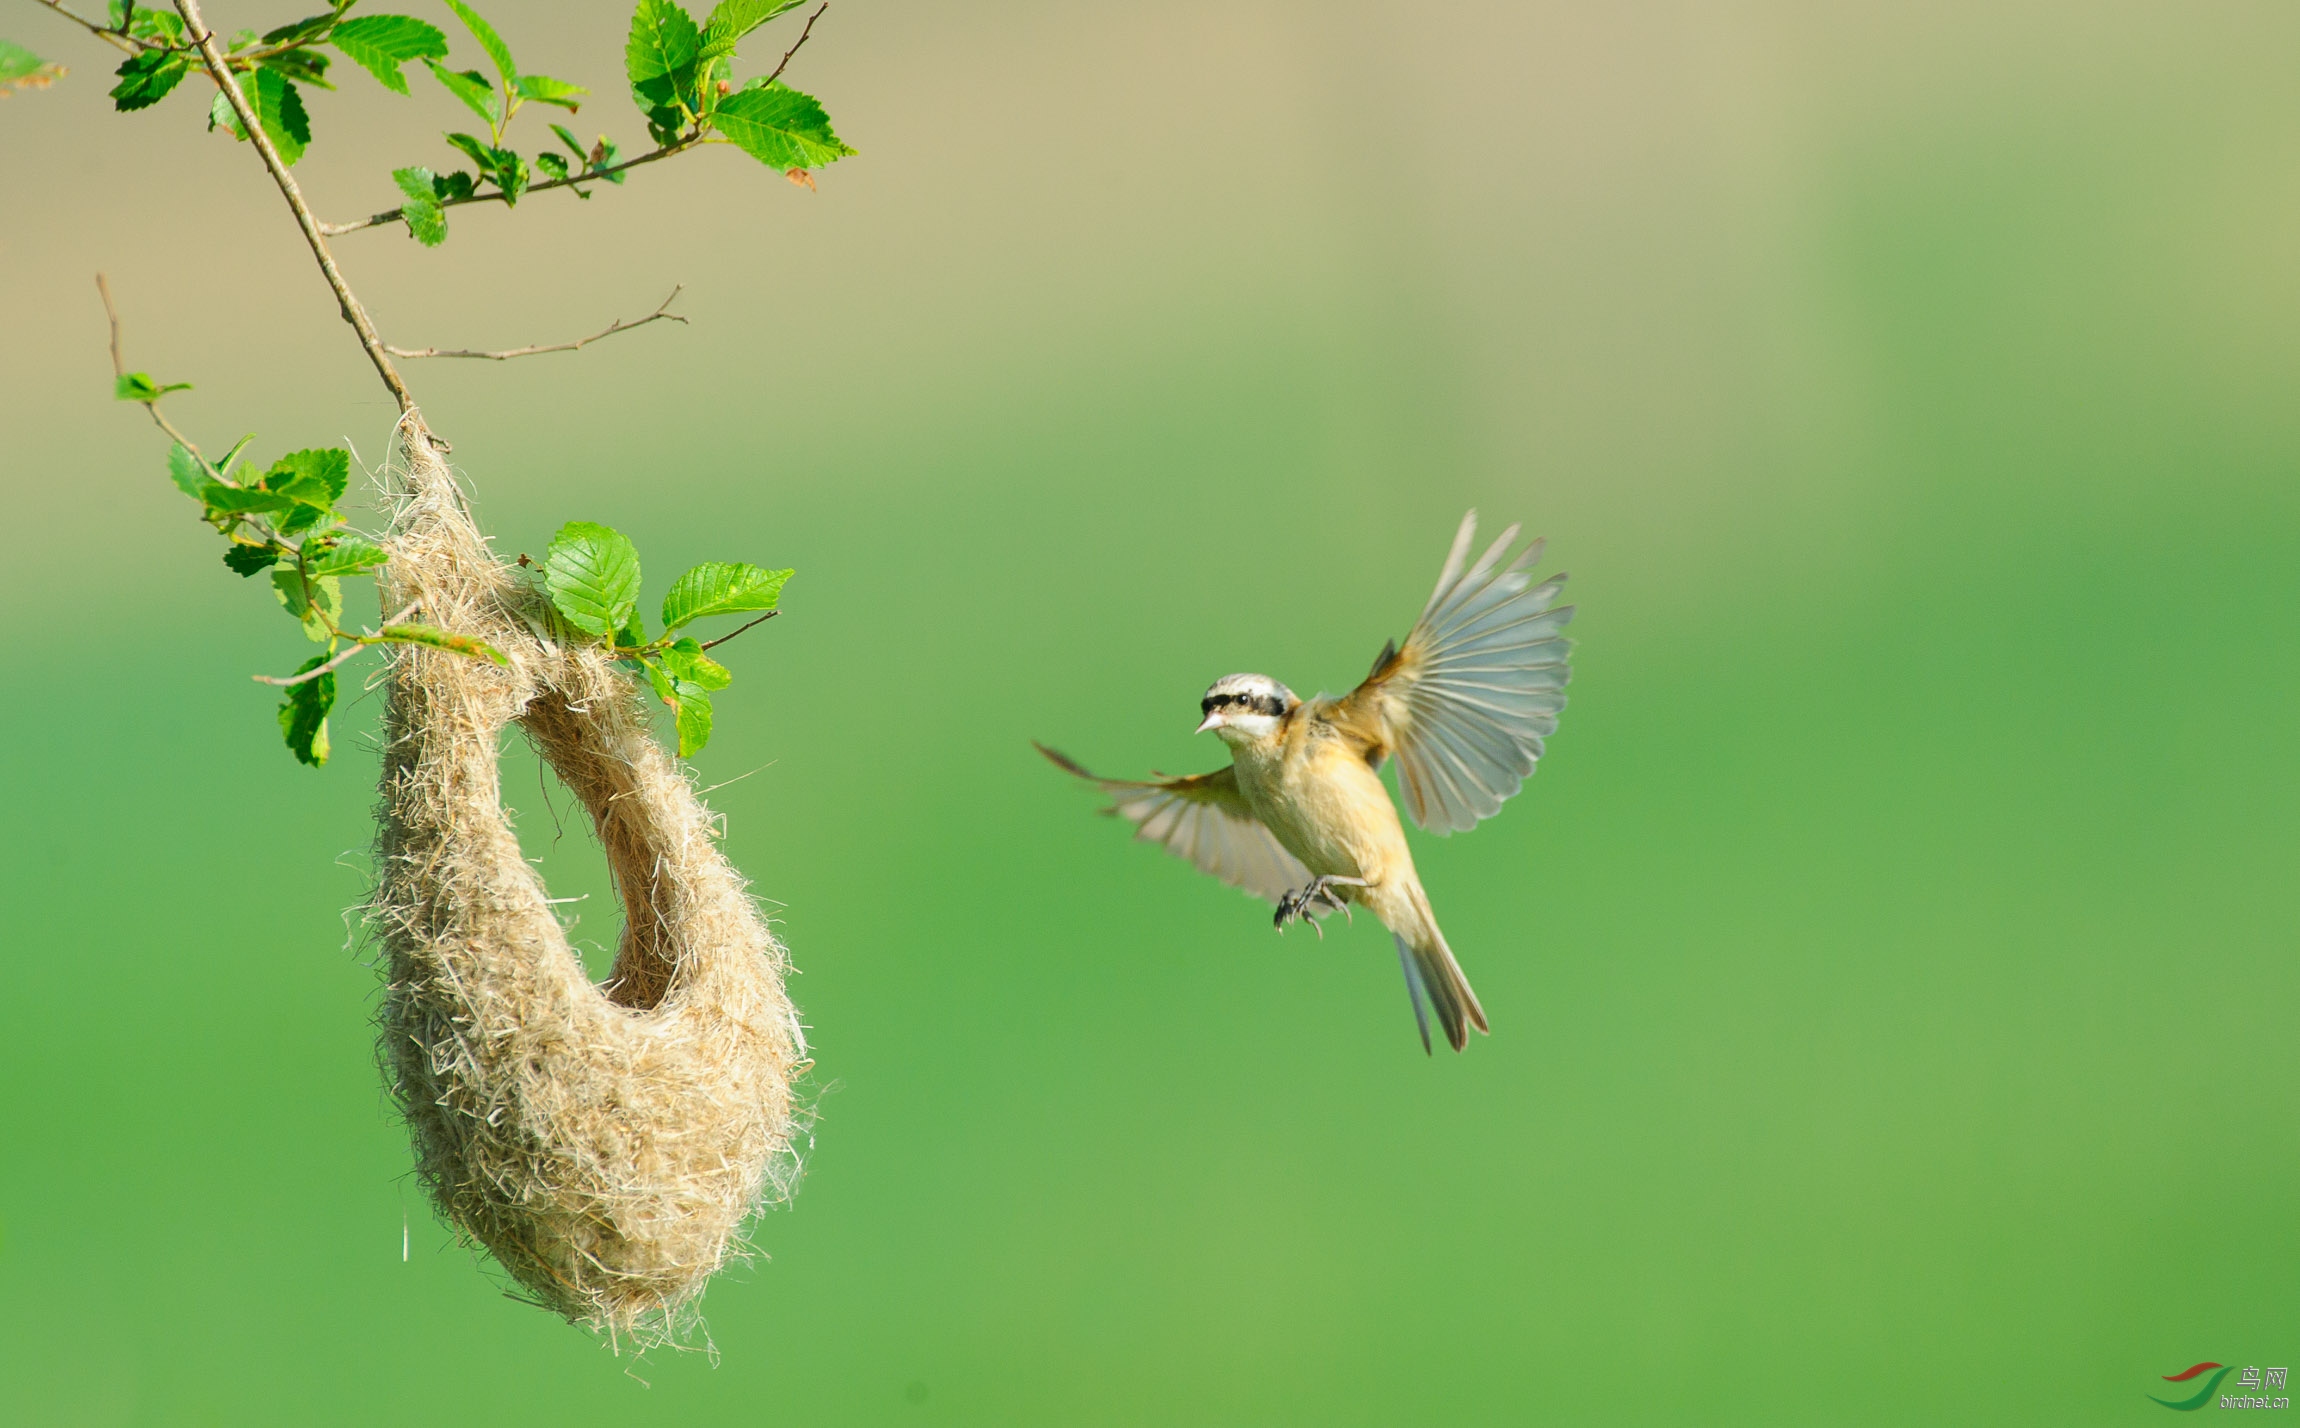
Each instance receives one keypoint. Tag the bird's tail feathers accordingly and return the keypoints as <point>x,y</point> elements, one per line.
<point>1432,973</point>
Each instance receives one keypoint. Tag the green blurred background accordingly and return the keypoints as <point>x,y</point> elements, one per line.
<point>1891,967</point>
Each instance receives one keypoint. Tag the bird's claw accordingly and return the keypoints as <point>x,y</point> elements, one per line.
<point>1320,893</point>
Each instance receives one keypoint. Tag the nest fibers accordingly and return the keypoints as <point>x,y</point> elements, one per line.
<point>604,1142</point>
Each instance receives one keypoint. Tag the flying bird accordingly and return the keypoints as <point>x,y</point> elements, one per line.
<point>1301,817</point>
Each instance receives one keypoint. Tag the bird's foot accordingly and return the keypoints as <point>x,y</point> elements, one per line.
<point>1305,904</point>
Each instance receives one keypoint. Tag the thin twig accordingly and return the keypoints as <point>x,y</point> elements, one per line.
<point>353,313</point>
<point>618,325</point>
<point>359,642</point>
<point>393,215</point>
<point>119,368</point>
<point>794,49</point>
<point>117,38</point>
<point>724,638</point>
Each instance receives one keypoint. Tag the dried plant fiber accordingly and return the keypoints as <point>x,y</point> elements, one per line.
<point>605,1143</point>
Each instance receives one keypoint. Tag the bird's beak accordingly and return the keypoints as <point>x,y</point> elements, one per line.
<point>1213,721</point>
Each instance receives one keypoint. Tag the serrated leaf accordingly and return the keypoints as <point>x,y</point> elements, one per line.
<point>779,126</point>
<point>721,588</point>
<point>352,555</point>
<point>315,477</point>
<point>308,600</point>
<point>139,387</point>
<point>419,205</point>
<point>693,719</point>
<point>659,57</point>
<point>733,19</point>
<point>479,150</point>
<point>146,78</point>
<point>510,176</point>
<point>574,145</point>
<point>634,631</point>
<point>552,162</point>
<point>686,659</point>
<point>303,714</point>
<point>488,39</point>
<point>543,89</point>
<point>666,688</point>
<point>309,66</point>
<point>455,185</point>
<point>592,575</point>
<point>249,559</point>
<point>380,44</point>
<point>470,86</point>
<point>438,639</point>
<point>279,109</point>
<point>161,25</point>
<point>190,474</point>
<point>241,500</point>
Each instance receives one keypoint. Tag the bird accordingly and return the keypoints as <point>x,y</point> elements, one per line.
<point>1301,816</point>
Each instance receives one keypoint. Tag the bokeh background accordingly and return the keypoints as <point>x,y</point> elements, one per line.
<point>1891,966</point>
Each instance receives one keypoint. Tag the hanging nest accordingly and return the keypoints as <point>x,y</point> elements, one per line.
<point>604,1142</point>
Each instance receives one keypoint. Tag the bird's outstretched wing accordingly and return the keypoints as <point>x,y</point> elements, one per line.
<point>1465,704</point>
<point>1205,819</point>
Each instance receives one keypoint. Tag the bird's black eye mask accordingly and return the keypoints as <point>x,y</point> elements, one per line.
<point>1269,704</point>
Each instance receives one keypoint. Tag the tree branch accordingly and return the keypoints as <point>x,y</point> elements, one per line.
<point>660,314</point>
<point>794,49</point>
<point>359,642</point>
<point>393,215</point>
<point>353,313</point>
<point>119,369</point>
<point>115,38</point>
<point>724,638</point>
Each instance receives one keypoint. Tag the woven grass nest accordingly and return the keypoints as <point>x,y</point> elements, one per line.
<point>604,1142</point>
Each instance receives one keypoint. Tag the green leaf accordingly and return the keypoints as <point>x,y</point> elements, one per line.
<point>139,387</point>
<point>552,162</point>
<point>455,185</point>
<point>666,688</point>
<point>222,115</point>
<point>248,559</point>
<point>694,719</point>
<point>146,78</point>
<point>242,39</point>
<point>779,126</point>
<point>488,40</point>
<point>20,68</point>
<point>439,639</point>
<point>733,19</point>
<point>574,146</point>
<point>190,474</point>
<point>510,176</point>
<point>660,55</point>
<point>223,500</point>
<point>603,157</point>
<point>721,588</point>
<point>300,31</point>
<point>352,555</point>
<point>232,457</point>
<point>634,631</point>
<point>314,477</point>
<point>687,660</point>
<point>592,575</point>
<point>543,89</point>
<point>309,600</point>
<point>380,44</point>
<point>310,66</point>
<point>470,86</point>
<point>303,714</point>
<point>161,25</point>
<point>480,151</point>
<point>279,109</point>
<point>419,205</point>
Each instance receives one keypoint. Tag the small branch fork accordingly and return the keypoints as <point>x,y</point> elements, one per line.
<point>662,313</point>
<point>393,215</point>
<point>119,368</point>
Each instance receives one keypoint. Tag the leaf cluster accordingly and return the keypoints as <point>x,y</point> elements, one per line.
<point>22,69</point>
<point>590,576</point>
<point>679,72</point>
<point>284,520</point>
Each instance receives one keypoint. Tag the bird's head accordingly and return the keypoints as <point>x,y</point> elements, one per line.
<point>1245,708</point>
